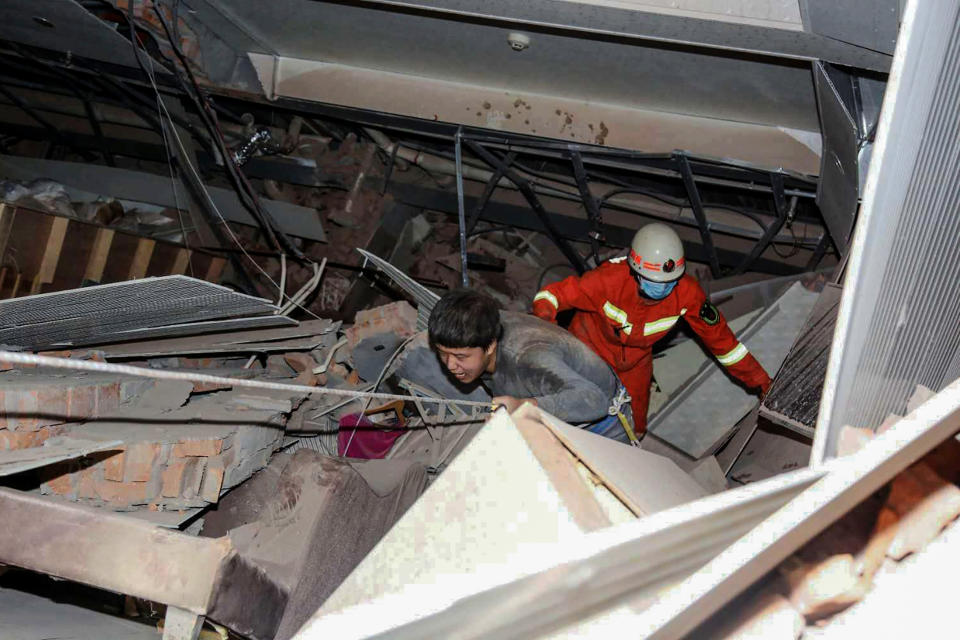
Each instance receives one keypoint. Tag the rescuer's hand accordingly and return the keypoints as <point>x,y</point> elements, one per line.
<point>764,388</point>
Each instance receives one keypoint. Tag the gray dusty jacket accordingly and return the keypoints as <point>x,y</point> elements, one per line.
<point>536,359</point>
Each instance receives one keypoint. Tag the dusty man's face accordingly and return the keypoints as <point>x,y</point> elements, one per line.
<point>466,364</point>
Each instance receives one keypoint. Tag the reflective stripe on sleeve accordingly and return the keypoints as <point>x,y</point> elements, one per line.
<point>733,356</point>
<point>549,297</point>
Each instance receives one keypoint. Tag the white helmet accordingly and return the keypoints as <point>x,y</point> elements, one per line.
<point>657,253</point>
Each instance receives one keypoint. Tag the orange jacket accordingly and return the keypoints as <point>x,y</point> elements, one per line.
<point>622,326</point>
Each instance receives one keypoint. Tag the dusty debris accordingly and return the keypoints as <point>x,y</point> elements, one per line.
<point>926,503</point>
<point>823,589</point>
<point>836,569</point>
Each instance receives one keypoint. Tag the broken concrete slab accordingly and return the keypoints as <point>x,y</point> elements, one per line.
<point>316,518</point>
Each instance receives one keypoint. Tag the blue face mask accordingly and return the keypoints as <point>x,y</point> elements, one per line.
<point>656,290</point>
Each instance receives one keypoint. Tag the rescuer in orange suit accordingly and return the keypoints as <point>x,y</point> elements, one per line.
<point>627,304</point>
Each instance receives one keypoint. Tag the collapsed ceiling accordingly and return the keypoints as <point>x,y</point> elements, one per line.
<point>581,120</point>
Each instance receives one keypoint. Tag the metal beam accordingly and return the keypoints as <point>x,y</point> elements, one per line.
<point>568,227</point>
<point>693,194</point>
<point>783,212</point>
<point>528,193</point>
<point>109,551</point>
<point>204,576</point>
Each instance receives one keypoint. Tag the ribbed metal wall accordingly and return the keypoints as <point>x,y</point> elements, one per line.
<point>899,322</point>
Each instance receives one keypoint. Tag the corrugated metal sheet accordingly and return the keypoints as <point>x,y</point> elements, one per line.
<point>898,322</point>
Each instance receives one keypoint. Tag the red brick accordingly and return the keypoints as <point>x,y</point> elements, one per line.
<point>203,387</point>
<point>114,465</point>
<point>191,448</point>
<point>88,482</point>
<point>53,406</point>
<point>10,440</point>
<point>82,402</point>
<point>213,479</point>
<point>27,405</point>
<point>396,317</point>
<point>60,481</point>
<point>140,459</point>
<point>122,493</point>
<point>173,479</point>
<point>108,398</point>
<point>6,365</point>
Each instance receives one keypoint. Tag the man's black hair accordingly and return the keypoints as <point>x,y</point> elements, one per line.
<point>465,318</point>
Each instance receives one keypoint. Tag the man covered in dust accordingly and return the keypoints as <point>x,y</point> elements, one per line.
<point>519,358</point>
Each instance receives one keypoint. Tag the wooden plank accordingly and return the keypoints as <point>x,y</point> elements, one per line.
<point>121,258</point>
<point>215,270</point>
<point>51,253</point>
<point>16,285</point>
<point>561,468</point>
<point>7,215</point>
<point>141,259</point>
<point>180,263</point>
<point>643,481</point>
<point>73,257</point>
<point>98,255</point>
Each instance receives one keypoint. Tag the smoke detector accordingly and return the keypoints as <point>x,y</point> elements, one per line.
<point>518,41</point>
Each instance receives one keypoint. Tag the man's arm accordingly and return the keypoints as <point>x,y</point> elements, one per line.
<point>559,390</point>
<point>708,323</point>
<point>574,292</point>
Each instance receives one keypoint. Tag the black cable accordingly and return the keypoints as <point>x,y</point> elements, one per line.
<point>244,189</point>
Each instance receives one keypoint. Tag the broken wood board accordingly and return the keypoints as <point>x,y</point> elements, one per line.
<point>701,416</point>
<point>308,335</point>
<point>17,460</point>
<point>644,481</point>
<point>561,467</point>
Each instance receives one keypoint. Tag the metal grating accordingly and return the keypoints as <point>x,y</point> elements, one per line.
<point>794,398</point>
<point>897,325</point>
<point>97,314</point>
<point>423,297</point>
